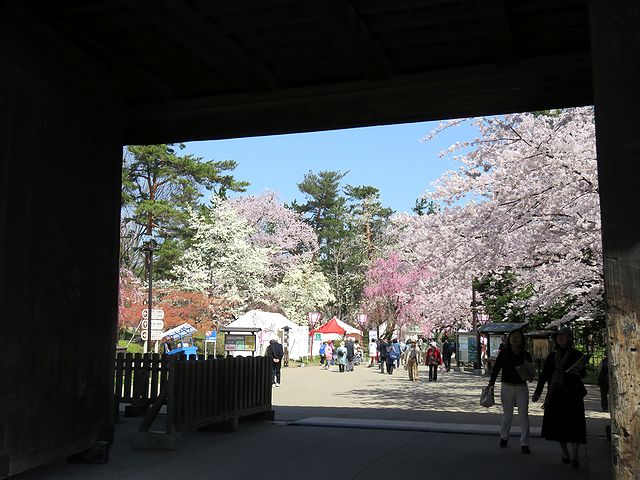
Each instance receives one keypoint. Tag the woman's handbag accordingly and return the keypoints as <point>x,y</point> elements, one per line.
<point>487,398</point>
<point>527,371</point>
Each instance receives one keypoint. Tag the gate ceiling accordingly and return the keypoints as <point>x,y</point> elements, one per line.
<point>201,69</point>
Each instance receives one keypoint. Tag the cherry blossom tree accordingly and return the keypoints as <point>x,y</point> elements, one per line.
<point>393,291</point>
<point>222,260</point>
<point>303,289</point>
<point>289,240</point>
<point>525,197</point>
<point>130,299</point>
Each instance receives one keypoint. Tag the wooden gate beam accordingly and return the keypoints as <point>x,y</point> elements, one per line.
<point>616,59</point>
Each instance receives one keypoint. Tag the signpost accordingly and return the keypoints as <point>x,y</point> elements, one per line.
<point>209,337</point>
<point>156,314</point>
<point>157,325</point>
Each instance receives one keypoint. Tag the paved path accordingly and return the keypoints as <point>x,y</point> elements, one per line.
<point>367,393</point>
<point>280,451</point>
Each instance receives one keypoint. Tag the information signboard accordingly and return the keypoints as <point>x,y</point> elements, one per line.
<point>494,345</point>
<point>467,347</point>
<point>317,337</point>
<point>240,343</point>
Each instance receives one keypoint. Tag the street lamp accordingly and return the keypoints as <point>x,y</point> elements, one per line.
<point>362,318</point>
<point>313,319</point>
<point>149,245</point>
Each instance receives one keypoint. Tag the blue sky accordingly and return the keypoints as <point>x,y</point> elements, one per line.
<point>391,158</point>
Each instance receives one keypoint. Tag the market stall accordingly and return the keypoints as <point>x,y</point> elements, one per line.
<point>273,325</point>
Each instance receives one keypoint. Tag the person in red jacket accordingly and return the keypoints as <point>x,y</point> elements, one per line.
<point>433,358</point>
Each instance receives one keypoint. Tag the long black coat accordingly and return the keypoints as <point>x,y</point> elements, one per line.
<point>564,419</point>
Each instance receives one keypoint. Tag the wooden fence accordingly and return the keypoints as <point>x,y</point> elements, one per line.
<point>197,393</point>
<point>139,378</point>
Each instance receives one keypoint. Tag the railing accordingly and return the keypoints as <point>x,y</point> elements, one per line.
<point>197,393</point>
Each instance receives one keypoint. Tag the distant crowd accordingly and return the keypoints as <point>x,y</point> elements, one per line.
<point>389,355</point>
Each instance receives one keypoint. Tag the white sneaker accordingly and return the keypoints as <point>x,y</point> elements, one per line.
<point>277,384</point>
<point>273,385</point>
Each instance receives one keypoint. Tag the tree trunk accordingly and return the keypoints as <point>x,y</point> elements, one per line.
<point>615,40</point>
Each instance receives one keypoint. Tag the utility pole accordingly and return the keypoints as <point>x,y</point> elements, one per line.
<point>149,245</point>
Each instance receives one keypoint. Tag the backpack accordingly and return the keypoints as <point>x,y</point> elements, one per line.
<point>340,353</point>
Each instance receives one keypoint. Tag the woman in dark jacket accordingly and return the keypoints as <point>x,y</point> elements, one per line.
<point>514,390</point>
<point>564,420</point>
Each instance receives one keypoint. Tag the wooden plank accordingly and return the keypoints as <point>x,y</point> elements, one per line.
<point>138,377</point>
<point>546,82</point>
<point>351,36</point>
<point>171,395</point>
<point>146,378</point>
<point>119,376</point>
<point>204,39</point>
<point>155,376</point>
<point>152,413</point>
<point>498,30</point>
<point>210,399</point>
<point>200,387</point>
<point>127,394</point>
<point>217,395</point>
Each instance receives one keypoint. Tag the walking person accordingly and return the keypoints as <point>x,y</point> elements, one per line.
<point>603,383</point>
<point>359,358</point>
<point>275,353</point>
<point>447,351</point>
<point>382,357</point>
<point>513,389</point>
<point>564,419</point>
<point>413,354</point>
<point>393,355</point>
<point>351,354</point>
<point>373,353</point>
<point>323,345</point>
<point>433,358</point>
<point>328,355</point>
<point>342,353</point>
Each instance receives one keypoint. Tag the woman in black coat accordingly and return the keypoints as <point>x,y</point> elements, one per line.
<point>564,419</point>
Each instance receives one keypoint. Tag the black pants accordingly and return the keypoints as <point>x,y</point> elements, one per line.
<point>391,362</point>
<point>340,367</point>
<point>433,373</point>
<point>604,399</point>
<point>275,370</point>
<point>447,362</point>
<point>383,361</point>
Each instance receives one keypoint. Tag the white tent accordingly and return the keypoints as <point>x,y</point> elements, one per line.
<point>349,329</point>
<point>272,325</point>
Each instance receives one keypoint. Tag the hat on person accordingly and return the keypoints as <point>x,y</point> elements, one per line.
<point>342,343</point>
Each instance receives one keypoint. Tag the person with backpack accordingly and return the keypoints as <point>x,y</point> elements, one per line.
<point>412,356</point>
<point>434,360</point>
<point>323,346</point>
<point>393,355</point>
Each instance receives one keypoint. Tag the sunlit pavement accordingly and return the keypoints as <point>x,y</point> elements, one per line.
<point>279,450</point>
